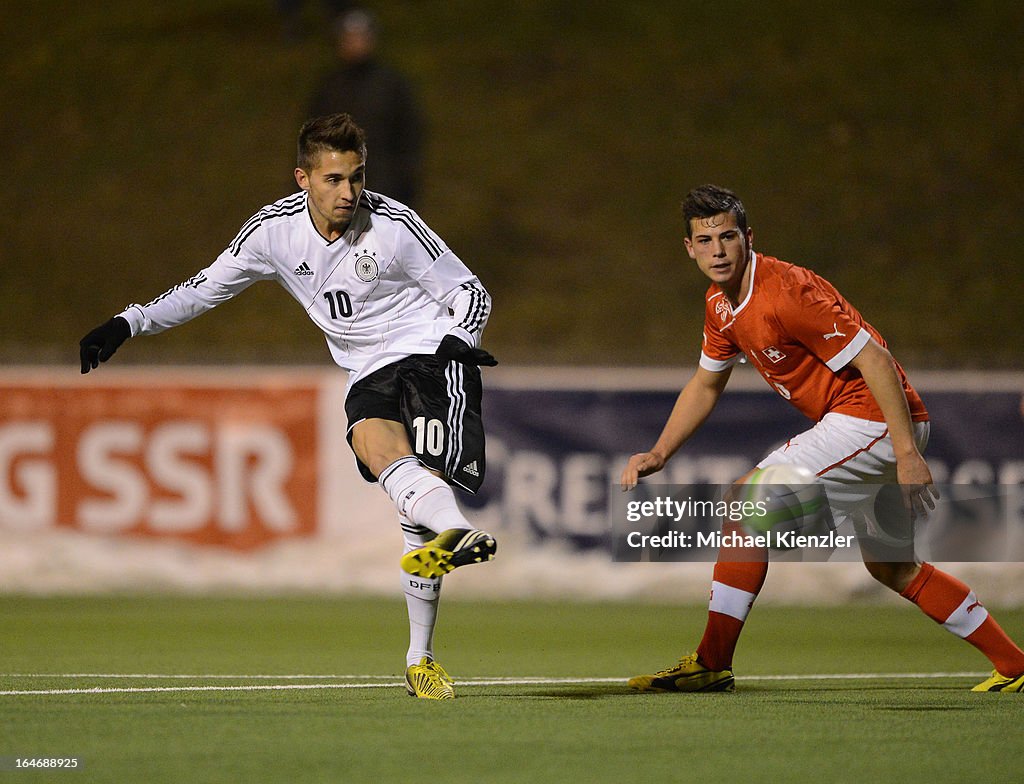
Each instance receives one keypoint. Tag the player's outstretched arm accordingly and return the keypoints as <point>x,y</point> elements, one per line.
<point>100,344</point>
<point>694,404</point>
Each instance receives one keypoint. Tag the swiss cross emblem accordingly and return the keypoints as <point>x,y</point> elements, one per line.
<point>773,354</point>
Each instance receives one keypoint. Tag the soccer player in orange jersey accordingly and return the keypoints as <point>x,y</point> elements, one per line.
<point>819,353</point>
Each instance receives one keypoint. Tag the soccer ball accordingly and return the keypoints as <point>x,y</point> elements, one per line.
<point>793,502</point>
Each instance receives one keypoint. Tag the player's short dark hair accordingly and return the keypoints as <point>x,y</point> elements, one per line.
<point>707,201</point>
<point>332,132</point>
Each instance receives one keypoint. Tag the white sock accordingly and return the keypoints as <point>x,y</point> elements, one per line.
<point>421,598</point>
<point>421,497</point>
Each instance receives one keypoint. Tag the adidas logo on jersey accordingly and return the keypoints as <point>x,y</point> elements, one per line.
<point>303,269</point>
<point>472,469</point>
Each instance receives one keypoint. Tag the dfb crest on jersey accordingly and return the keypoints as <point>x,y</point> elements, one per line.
<point>366,267</point>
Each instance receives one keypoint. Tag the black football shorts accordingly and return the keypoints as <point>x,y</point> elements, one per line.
<point>440,408</point>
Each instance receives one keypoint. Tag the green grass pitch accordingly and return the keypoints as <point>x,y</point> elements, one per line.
<point>307,690</point>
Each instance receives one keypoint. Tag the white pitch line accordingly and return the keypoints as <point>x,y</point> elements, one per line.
<point>180,689</point>
<point>856,676</point>
<point>181,676</point>
<point>498,681</point>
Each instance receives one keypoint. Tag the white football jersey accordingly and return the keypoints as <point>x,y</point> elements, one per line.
<point>386,289</point>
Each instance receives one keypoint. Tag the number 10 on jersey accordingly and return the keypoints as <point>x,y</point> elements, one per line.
<point>340,303</point>
<point>429,436</point>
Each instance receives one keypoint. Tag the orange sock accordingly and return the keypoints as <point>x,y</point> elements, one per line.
<point>946,600</point>
<point>734,588</point>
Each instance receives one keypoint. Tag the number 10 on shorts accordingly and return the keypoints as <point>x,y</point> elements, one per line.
<point>429,436</point>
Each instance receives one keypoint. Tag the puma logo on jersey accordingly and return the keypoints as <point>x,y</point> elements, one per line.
<point>303,269</point>
<point>835,333</point>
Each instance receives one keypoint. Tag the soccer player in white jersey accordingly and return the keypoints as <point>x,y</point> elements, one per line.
<point>818,352</point>
<point>404,316</point>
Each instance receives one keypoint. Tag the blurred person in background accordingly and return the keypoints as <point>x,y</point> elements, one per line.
<point>290,13</point>
<point>817,351</point>
<point>380,99</point>
<point>404,316</point>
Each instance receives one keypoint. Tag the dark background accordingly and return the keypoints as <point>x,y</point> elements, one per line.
<point>879,143</point>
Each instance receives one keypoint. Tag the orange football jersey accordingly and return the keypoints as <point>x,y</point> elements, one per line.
<point>800,334</point>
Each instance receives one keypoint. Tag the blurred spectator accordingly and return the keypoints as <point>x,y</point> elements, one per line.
<point>381,100</point>
<point>290,12</point>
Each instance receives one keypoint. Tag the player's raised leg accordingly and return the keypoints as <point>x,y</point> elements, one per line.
<point>420,496</point>
<point>428,501</point>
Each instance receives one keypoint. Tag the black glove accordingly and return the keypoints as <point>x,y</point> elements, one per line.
<point>455,348</point>
<point>100,344</point>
